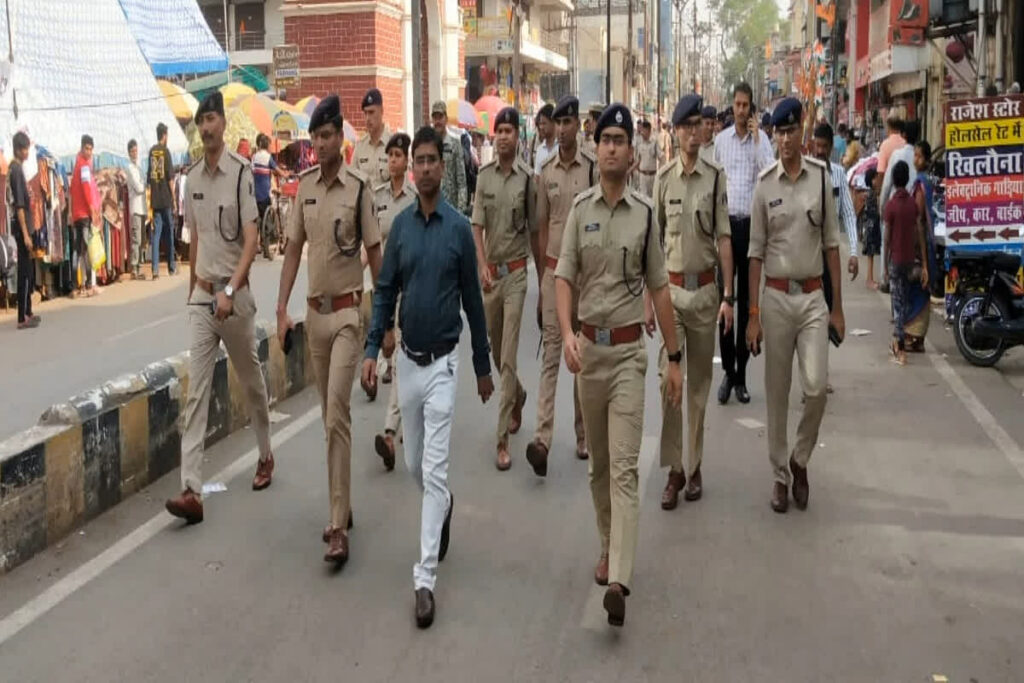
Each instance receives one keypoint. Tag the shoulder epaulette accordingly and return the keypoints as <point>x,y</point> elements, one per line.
<point>238,157</point>
<point>489,164</point>
<point>642,198</point>
<point>664,169</point>
<point>194,165</point>
<point>710,162</point>
<point>381,186</point>
<point>768,170</point>
<point>587,154</point>
<point>548,161</point>
<point>816,162</point>
<point>585,194</point>
<point>524,167</point>
<point>357,174</point>
<point>309,170</point>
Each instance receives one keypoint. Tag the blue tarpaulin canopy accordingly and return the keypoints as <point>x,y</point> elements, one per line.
<point>174,37</point>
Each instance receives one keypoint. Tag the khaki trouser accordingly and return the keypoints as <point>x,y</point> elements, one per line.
<point>551,363</point>
<point>612,396</point>
<point>696,314</point>
<point>794,322</point>
<point>646,183</point>
<point>238,332</point>
<point>503,308</point>
<point>335,348</point>
<point>393,417</point>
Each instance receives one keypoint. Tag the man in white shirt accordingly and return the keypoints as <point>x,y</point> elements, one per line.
<point>137,204</point>
<point>547,144</point>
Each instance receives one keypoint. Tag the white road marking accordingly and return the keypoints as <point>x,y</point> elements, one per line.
<point>594,616</point>
<point>55,594</point>
<point>140,328</point>
<point>749,423</point>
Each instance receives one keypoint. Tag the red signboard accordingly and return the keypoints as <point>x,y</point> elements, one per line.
<point>907,22</point>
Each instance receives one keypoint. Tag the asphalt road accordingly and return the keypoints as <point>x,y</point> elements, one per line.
<point>905,566</point>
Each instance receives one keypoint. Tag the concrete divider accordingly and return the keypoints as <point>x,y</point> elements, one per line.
<point>102,446</point>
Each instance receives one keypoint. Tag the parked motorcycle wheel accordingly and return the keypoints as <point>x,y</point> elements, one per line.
<point>981,351</point>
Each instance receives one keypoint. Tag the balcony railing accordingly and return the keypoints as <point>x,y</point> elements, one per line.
<point>487,35</point>
<point>249,40</point>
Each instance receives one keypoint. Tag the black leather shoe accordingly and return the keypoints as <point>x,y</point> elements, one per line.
<point>537,456</point>
<point>615,604</point>
<point>446,529</point>
<point>725,390</point>
<point>742,395</point>
<point>424,607</point>
<point>780,498</point>
<point>801,489</point>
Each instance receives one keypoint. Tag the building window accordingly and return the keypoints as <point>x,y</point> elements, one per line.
<point>214,15</point>
<point>250,29</point>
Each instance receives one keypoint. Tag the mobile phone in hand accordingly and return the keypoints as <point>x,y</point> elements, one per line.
<point>833,336</point>
<point>287,341</point>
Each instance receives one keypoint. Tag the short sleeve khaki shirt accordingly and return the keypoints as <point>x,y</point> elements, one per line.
<point>220,203</point>
<point>602,255</point>
<point>325,215</point>
<point>692,214</point>
<point>505,209</point>
<point>372,159</point>
<point>793,221</point>
<point>386,205</point>
<point>557,187</point>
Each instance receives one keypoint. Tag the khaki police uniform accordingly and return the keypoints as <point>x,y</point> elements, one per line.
<point>603,256</point>
<point>692,215</point>
<point>505,209</point>
<point>221,201</point>
<point>387,205</point>
<point>372,159</point>
<point>557,187</point>
<point>647,154</point>
<point>792,223</point>
<point>335,216</point>
<point>707,151</point>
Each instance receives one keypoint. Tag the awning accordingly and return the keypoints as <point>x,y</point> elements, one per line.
<point>246,75</point>
<point>174,37</point>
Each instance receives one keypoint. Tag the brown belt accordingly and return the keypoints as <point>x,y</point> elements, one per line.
<point>611,337</point>
<point>500,270</point>
<point>647,172</point>
<point>208,286</point>
<point>326,305</point>
<point>550,262</point>
<point>692,281</point>
<point>811,284</point>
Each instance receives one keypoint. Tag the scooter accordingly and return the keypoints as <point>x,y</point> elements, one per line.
<point>989,316</point>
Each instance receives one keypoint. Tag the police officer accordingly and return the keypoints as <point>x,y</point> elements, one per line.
<point>646,159</point>
<point>567,173</point>
<point>610,251</point>
<point>334,213</point>
<point>590,142</point>
<point>222,214</point>
<point>793,222</point>
<point>692,217</point>
<point>707,132</point>
<point>370,154</point>
<point>504,230</point>
<point>389,200</point>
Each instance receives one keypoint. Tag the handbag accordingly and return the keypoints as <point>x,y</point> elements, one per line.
<point>97,252</point>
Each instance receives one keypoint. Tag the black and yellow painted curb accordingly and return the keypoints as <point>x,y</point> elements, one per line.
<point>100,447</point>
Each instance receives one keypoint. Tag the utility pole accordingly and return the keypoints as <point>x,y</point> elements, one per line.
<point>417,67</point>
<point>627,80</point>
<point>227,39</point>
<point>608,53</point>
<point>517,39</point>
<point>657,50</point>
<point>696,51</point>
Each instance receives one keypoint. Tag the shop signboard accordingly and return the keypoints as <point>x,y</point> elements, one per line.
<point>984,186</point>
<point>286,66</point>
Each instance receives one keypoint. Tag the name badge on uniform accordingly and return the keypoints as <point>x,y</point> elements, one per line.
<point>592,227</point>
<point>552,186</point>
<point>364,160</point>
<point>489,195</point>
<point>775,202</point>
<point>675,201</point>
<point>310,200</point>
<point>382,207</point>
<point>197,195</point>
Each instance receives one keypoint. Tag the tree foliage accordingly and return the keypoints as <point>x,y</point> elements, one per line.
<point>746,26</point>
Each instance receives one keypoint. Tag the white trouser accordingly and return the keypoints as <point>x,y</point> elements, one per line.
<point>426,396</point>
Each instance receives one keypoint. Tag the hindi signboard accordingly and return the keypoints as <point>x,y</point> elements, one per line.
<point>985,173</point>
<point>286,66</point>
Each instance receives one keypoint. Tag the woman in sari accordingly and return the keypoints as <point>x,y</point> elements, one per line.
<point>918,315</point>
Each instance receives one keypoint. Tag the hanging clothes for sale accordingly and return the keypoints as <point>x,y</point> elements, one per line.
<point>110,182</point>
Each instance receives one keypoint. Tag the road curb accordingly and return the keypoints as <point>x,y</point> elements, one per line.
<point>97,448</point>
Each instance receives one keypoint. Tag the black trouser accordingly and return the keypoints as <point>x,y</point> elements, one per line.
<point>26,281</point>
<point>733,345</point>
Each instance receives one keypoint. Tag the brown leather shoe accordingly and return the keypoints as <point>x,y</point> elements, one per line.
<point>386,379</point>
<point>601,570</point>
<point>424,607</point>
<point>337,550</point>
<point>780,498</point>
<point>371,393</point>
<point>670,496</point>
<point>581,453</point>
<point>264,474</point>
<point>694,488</point>
<point>504,461</point>
<point>187,506</point>
<point>537,456</point>
<point>384,444</point>
<point>516,421</point>
<point>327,529</point>
<point>801,489</point>
<point>615,604</point>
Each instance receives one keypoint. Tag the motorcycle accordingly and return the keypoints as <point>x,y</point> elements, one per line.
<point>989,315</point>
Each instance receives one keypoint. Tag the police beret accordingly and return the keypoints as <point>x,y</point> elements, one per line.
<point>545,111</point>
<point>398,141</point>
<point>708,112</point>
<point>328,111</point>
<point>508,115</point>
<point>687,106</point>
<point>787,112</point>
<point>766,119</point>
<point>371,98</point>
<point>567,106</point>
<point>213,102</point>
<point>616,115</point>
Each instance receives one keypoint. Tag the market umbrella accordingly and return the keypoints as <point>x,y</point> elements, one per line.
<point>238,126</point>
<point>181,103</point>
<point>490,105</point>
<point>233,92</point>
<point>307,104</point>
<point>466,116</point>
<point>261,111</point>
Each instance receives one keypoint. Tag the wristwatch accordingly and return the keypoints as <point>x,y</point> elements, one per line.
<point>229,291</point>
<point>729,299</point>
<point>676,357</point>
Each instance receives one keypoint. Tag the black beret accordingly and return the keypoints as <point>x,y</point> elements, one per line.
<point>616,115</point>
<point>687,106</point>
<point>328,111</point>
<point>398,141</point>
<point>508,115</point>
<point>708,112</point>
<point>787,112</point>
<point>213,102</point>
<point>766,119</point>
<point>545,111</point>
<point>567,106</point>
<point>371,98</point>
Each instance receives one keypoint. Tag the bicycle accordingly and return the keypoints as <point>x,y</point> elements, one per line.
<point>276,217</point>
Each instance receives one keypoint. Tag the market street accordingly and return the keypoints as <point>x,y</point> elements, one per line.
<point>906,564</point>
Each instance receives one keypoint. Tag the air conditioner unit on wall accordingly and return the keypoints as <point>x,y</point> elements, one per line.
<point>951,11</point>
